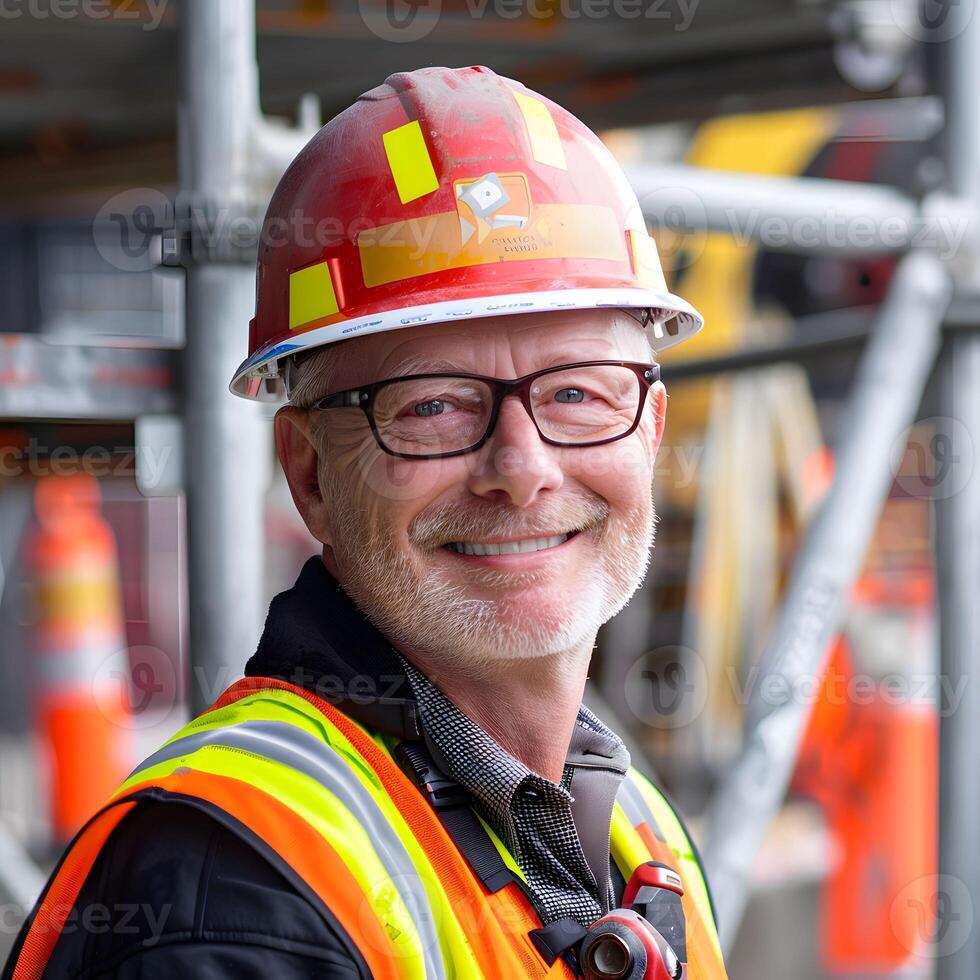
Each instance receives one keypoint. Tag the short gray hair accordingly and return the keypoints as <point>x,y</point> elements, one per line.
<point>310,379</point>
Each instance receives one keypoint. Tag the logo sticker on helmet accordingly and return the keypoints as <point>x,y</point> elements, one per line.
<point>494,221</point>
<point>495,201</point>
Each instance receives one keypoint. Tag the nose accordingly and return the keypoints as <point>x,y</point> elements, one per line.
<point>515,462</point>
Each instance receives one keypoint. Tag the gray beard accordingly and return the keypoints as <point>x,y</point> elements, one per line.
<point>418,610</point>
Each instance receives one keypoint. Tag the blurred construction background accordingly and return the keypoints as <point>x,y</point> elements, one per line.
<point>800,669</point>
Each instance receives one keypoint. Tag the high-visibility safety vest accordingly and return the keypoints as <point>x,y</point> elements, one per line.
<point>329,799</point>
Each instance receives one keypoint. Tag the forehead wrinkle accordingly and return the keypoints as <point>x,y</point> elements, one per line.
<point>426,364</point>
<point>613,331</point>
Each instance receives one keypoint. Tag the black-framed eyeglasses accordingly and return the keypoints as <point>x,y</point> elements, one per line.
<point>431,416</point>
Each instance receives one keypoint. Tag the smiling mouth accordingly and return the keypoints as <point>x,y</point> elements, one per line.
<point>522,547</point>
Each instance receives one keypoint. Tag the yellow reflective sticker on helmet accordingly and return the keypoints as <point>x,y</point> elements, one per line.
<point>646,261</point>
<point>311,295</point>
<point>408,158</point>
<point>437,242</point>
<point>541,131</point>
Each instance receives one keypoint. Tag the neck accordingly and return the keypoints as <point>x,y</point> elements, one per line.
<point>528,706</point>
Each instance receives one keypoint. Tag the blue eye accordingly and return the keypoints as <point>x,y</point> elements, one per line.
<point>434,406</point>
<point>570,395</point>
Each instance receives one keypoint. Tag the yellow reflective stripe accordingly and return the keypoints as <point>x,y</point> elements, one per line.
<point>272,704</point>
<point>456,949</point>
<point>409,161</point>
<point>333,821</point>
<point>501,849</point>
<point>311,295</point>
<point>679,843</point>
<point>626,845</point>
<point>278,705</point>
<point>541,131</point>
<point>646,261</point>
<point>422,246</point>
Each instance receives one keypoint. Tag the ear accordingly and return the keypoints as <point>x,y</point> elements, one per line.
<point>658,399</point>
<point>300,462</point>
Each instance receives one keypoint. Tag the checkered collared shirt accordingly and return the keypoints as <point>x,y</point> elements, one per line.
<point>540,822</point>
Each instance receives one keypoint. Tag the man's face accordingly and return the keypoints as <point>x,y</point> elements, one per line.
<point>389,524</point>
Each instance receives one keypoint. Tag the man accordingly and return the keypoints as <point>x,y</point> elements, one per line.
<point>457,292</point>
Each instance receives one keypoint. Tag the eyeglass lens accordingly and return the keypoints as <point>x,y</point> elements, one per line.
<point>439,415</point>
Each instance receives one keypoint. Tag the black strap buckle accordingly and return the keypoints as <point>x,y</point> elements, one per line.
<point>555,938</point>
<point>439,790</point>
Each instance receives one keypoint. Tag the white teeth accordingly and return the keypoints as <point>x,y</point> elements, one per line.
<point>509,547</point>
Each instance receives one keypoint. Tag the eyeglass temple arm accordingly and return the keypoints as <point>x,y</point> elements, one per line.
<point>353,398</point>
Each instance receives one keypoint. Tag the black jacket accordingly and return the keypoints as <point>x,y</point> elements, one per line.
<point>176,893</point>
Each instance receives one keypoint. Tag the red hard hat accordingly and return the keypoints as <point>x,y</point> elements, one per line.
<point>447,194</point>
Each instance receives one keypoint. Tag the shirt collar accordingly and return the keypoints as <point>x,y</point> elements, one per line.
<point>491,773</point>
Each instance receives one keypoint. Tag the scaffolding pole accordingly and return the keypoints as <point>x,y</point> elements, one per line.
<point>21,880</point>
<point>886,395</point>
<point>798,214</point>
<point>957,890</point>
<point>226,439</point>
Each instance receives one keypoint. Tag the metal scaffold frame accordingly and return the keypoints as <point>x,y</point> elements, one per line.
<point>958,526</point>
<point>903,348</point>
<point>229,159</point>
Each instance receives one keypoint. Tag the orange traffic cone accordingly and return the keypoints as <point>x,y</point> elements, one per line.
<point>871,761</point>
<point>80,670</point>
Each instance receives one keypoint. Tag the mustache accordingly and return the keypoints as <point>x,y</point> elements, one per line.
<point>470,521</point>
